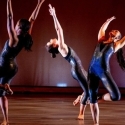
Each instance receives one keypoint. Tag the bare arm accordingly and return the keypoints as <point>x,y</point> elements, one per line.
<point>35,14</point>
<point>62,46</point>
<point>102,30</point>
<point>10,25</point>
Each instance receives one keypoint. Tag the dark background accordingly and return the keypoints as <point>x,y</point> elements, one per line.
<point>80,20</point>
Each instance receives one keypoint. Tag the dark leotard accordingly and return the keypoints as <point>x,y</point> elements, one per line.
<point>8,65</point>
<point>99,70</point>
<point>78,72</point>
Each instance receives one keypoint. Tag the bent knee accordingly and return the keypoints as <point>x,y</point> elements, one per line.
<point>116,97</point>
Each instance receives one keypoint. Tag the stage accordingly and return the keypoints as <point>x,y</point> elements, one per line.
<point>57,109</point>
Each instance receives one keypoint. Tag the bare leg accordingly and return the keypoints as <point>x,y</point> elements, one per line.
<point>106,97</point>
<point>95,113</point>
<point>81,112</point>
<point>4,107</point>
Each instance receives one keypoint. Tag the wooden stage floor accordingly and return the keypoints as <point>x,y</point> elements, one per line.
<point>57,109</point>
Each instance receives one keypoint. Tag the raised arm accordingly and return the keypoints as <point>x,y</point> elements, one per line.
<point>101,34</point>
<point>62,46</point>
<point>35,14</point>
<point>10,25</point>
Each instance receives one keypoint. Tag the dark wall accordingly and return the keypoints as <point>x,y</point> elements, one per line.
<point>80,20</point>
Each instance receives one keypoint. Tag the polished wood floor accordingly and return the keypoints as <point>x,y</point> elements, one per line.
<point>41,109</point>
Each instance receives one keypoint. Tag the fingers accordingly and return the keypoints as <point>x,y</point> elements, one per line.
<point>113,17</point>
<point>54,8</point>
<point>50,6</point>
<point>51,9</point>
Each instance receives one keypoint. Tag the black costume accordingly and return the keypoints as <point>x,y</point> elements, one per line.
<point>99,70</point>
<point>78,72</point>
<point>8,65</point>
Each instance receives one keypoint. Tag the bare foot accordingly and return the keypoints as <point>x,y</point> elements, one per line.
<point>80,117</point>
<point>77,100</point>
<point>4,123</point>
<point>8,89</point>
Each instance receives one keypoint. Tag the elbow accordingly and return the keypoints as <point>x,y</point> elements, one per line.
<point>58,28</point>
<point>9,16</point>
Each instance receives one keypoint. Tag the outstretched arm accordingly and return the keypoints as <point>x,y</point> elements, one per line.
<point>35,14</point>
<point>10,25</point>
<point>62,46</point>
<point>101,34</point>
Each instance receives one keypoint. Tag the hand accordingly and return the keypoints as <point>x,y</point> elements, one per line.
<point>41,1</point>
<point>51,10</point>
<point>112,18</point>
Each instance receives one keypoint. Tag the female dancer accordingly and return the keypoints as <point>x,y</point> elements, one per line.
<point>19,38</point>
<point>58,46</point>
<point>99,67</point>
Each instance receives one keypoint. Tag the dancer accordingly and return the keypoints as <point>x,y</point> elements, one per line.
<point>58,46</point>
<point>99,68</point>
<point>19,38</point>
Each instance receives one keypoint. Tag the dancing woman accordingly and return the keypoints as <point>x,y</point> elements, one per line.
<point>19,38</point>
<point>56,46</point>
<point>99,68</point>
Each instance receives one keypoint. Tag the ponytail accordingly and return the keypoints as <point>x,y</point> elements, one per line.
<point>52,50</point>
<point>28,42</point>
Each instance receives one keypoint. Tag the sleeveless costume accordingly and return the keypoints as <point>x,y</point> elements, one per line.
<point>8,65</point>
<point>99,70</point>
<point>78,72</point>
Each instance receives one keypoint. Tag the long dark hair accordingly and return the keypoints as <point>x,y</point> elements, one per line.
<point>120,58</point>
<point>28,42</point>
<point>25,26</point>
<point>52,50</point>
